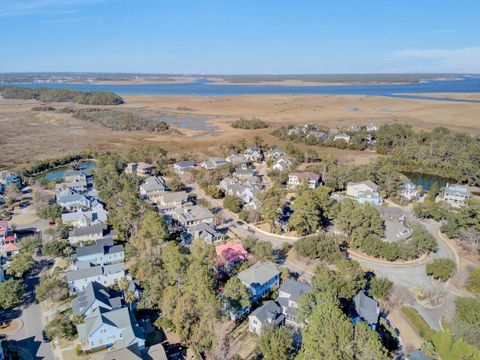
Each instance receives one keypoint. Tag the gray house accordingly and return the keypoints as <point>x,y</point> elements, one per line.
<point>269,313</point>
<point>89,233</point>
<point>107,275</point>
<point>260,278</point>
<point>95,296</point>
<point>365,309</point>
<point>203,231</point>
<point>193,215</point>
<point>116,329</point>
<point>103,252</point>
<point>288,296</point>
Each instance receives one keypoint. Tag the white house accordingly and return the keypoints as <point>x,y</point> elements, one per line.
<point>116,329</point>
<point>253,154</point>
<point>107,275</point>
<point>409,190</point>
<point>270,313</point>
<point>213,163</point>
<point>311,179</point>
<point>288,297</point>
<point>365,192</point>
<point>103,252</point>
<point>183,166</point>
<point>152,188</point>
<point>456,195</point>
<point>193,215</point>
<point>171,200</point>
<point>372,127</point>
<point>236,159</point>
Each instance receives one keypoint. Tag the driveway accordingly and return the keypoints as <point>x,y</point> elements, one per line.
<point>29,338</point>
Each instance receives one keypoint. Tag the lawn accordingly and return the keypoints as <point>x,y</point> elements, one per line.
<point>423,329</point>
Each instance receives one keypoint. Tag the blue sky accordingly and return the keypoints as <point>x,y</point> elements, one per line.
<point>240,36</point>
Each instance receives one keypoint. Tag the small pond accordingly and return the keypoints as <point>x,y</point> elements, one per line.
<point>426,181</point>
<point>58,173</point>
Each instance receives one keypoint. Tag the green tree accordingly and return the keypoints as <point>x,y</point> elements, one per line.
<point>61,327</point>
<point>153,231</point>
<point>232,203</point>
<point>51,288</point>
<point>275,343</point>
<point>11,293</point>
<point>20,264</point>
<point>327,334</point>
<point>380,287</point>
<point>368,344</point>
<point>441,268</point>
<point>271,203</point>
<point>450,349</point>
<point>50,212</point>
<point>236,294</point>
<point>322,246</point>
<point>56,248</point>
<point>263,251</point>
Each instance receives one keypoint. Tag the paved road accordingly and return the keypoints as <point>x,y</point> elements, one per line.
<point>29,338</point>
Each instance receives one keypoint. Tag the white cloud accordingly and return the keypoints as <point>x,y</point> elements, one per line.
<point>29,7</point>
<point>463,60</point>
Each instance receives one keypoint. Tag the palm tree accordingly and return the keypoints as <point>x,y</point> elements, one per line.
<point>129,298</point>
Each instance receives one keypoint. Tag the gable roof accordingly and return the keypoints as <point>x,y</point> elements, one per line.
<point>294,288</point>
<point>369,183</point>
<point>258,273</point>
<point>306,175</point>
<point>270,312</point>
<point>366,307</point>
<point>89,230</point>
<point>231,252</point>
<point>94,292</point>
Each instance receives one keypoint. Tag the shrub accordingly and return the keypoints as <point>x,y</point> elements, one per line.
<point>232,203</point>
<point>473,283</point>
<point>380,287</point>
<point>56,248</point>
<point>249,124</point>
<point>441,269</point>
<point>323,247</point>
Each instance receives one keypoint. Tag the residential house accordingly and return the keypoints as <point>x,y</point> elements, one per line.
<point>318,135</point>
<point>288,297</point>
<point>170,200</point>
<point>79,181</point>
<point>365,309</point>
<point>103,252</point>
<point>116,329</point>
<point>372,127</point>
<point>213,163</point>
<point>299,129</point>
<point>281,164</point>
<point>247,194</point>
<point>155,352</point>
<point>342,136</point>
<point>311,179</point>
<point>10,249</point>
<point>203,231</point>
<point>193,215</point>
<point>79,218</point>
<point>6,233</point>
<point>231,253</point>
<point>269,313</point>
<point>409,190</point>
<point>354,127</point>
<point>139,169</point>
<point>275,153</point>
<point>254,154</point>
<point>365,192</point>
<point>71,200</point>
<point>245,173</point>
<point>260,278</point>
<point>107,275</point>
<point>152,188</point>
<point>456,195</point>
<point>93,297</point>
<point>236,159</point>
<point>88,233</point>
<point>183,166</point>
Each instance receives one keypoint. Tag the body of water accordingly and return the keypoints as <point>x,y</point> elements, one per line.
<point>58,173</point>
<point>426,181</point>
<point>203,87</point>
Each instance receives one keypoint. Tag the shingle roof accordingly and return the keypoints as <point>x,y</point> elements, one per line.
<point>366,307</point>
<point>295,288</point>
<point>258,273</point>
<point>94,292</point>
<point>88,230</point>
<point>418,355</point>
<point>270,312</point>
<point>97,248</point>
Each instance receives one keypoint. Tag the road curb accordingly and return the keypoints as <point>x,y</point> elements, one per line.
<point>420,261</point>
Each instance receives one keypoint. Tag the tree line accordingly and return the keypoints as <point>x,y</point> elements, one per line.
<point>61,95</point>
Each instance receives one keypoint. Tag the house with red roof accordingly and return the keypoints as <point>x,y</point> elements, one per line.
<point>6,233</point>
<point>10,249</point>
<point>231,253</point>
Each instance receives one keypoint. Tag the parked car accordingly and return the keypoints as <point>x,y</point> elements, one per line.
<point>51,222</point>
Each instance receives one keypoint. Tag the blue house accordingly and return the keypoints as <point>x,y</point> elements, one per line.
<point>365,309</point>
<point>260,278</point>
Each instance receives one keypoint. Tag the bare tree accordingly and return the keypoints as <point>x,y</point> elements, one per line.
<point>397,297</point>
<point>436,292</point>
<point>470,238</point>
